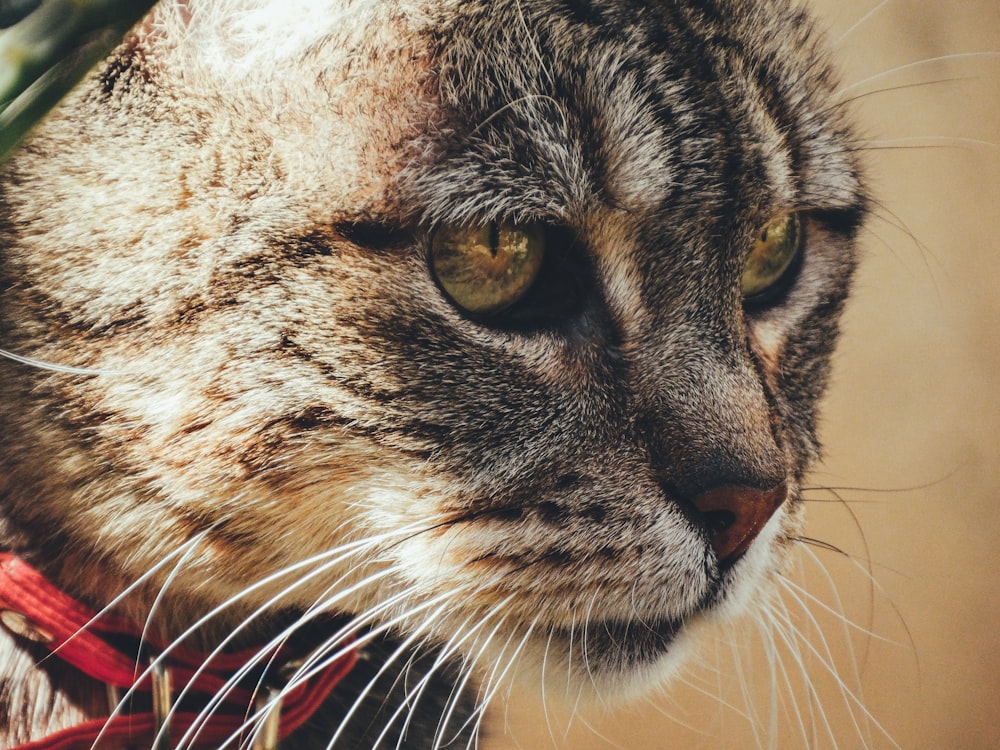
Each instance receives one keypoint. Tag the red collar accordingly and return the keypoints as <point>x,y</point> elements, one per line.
<point>33,608</point>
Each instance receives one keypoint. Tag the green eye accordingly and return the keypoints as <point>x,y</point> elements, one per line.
<point>487,268</point>
<point>774,249</point>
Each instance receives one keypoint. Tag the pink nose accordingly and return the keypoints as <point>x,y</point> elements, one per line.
<point>733,516</point>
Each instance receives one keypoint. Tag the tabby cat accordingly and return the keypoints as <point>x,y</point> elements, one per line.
<point>489,335</point>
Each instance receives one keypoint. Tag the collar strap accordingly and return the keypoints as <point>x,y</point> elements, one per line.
<point>33,608</point>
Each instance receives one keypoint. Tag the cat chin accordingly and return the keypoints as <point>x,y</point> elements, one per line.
<point>615,662</point>
<point>620,663</point>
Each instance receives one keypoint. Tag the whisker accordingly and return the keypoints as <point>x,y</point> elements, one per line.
<point>860,22</point>
<point>545,703</point>
<point>776,662</point>
<point>497,680</point>
<point>891,490</point>
<point>745,691</point>
<point>131,588</point>
<point>335,557</point>
<point>320,659</point>
<point>713,691</point>
<point>444,600</point>
<point>821,544</point>
<point>462,684</point>
<point>445,652</point>
<point>158,599</point>
<point>266,652</point>
<point>922,142</point>
<point>781,624</point>
<point>869,633</point>
<point>54,367</point>
<point>325,655</point>
<point>585,643</point>
<point>854,701</point>
<point>888,216</point>
<point>857,526</point>
<point>839,95</point>
<point>900,87</point>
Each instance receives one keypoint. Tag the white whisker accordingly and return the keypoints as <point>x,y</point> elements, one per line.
<point>814,702</point>
<point>495,680</point>
<point>444,601</point>
<point>181,551</point>
<point>54,367</point>
<point>925,141</point>
<point>779,621</point>
<point>325,655</point>
<point>860,22</point>
<point>474,655</point>
<point>327,559</point>
<point>848,89</point>
<point>158,599</point>
<point>854,701</point>
<point>445,652</point>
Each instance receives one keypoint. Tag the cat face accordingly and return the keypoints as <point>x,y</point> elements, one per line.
<point>460,322</point>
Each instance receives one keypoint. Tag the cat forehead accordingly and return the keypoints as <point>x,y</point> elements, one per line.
<point>558,108</point>
<point>520,108</point>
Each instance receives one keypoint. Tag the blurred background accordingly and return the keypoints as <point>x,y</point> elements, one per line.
<point>912,428</point>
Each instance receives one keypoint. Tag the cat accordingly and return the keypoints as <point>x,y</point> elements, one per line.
<point>453,339</point>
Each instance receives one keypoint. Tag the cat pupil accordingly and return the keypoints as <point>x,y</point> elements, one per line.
<point>494,238</point>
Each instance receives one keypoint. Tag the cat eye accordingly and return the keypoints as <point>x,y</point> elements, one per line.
<point>774,250</point>
<point>485,269</point>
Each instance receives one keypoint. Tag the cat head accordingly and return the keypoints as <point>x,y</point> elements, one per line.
<point>500,324</point>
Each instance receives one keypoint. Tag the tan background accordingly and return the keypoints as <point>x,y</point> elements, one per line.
<point>912,419</point>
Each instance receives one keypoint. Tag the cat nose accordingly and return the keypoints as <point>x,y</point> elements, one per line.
<point>734,515</point>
